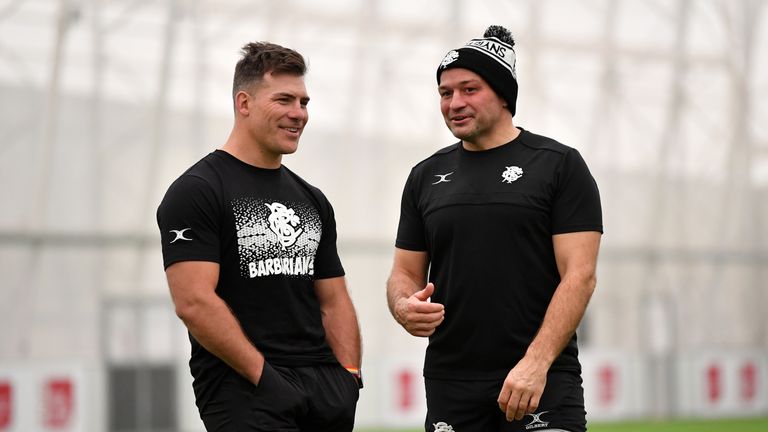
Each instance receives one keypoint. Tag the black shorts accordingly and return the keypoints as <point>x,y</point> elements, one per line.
<point>469,406</point>
<point>315,398</point>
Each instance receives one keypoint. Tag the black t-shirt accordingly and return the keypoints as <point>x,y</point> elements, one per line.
<point>272,234</point>
<point>486,219</point>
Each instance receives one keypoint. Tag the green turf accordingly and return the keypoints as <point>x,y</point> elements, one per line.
<point>719,425</point>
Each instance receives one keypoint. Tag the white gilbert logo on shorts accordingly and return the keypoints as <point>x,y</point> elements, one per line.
<point>537,422</point>
<point>511,174</point>
<point>283,222</point>
<point>442,427</point>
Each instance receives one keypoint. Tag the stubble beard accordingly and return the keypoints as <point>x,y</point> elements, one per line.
<point>465,134</point>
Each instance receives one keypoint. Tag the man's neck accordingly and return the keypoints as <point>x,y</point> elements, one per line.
<point>498,138</point>
<point>245,149</point>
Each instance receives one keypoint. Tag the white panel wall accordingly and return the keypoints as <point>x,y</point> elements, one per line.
<point>724,383</point>
<point>48,397</point>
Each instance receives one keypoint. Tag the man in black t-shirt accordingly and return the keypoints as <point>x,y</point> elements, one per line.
<point>495,257</point>
<point>250,255</point>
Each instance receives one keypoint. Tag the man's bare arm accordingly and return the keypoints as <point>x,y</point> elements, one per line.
<point>209,319</point>
<point>407,295</point>
<point>339,320</point>
<point>576,256</point>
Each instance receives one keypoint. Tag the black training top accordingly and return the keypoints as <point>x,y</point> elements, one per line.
<point>486,219</point>
<point>272,234</point>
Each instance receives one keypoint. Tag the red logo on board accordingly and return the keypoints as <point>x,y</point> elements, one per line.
<point>6,404</point>
<point>58,400</point>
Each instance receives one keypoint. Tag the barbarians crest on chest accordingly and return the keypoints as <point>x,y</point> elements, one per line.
<point>511,173</point>
<point>284,222</point>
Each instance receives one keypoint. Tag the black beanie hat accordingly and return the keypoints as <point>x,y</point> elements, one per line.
<point>493,58</point>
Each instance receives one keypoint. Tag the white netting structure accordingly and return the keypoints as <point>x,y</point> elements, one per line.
<point>104,102</point>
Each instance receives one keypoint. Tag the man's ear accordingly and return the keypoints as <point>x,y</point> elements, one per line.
<point>243,103</point>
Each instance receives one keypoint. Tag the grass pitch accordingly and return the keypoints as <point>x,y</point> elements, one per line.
<point>714,425</point>
<point>718,425</point>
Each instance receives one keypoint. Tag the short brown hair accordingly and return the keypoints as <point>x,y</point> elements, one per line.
<point>260,58</point>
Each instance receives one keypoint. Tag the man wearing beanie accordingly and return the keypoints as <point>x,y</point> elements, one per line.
<point>495,257</point>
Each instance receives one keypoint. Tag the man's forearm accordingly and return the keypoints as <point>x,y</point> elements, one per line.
<point>212,324</point>
<point>343,332</point>
<point>576,257</point>
<point>563,315</point>
<point>408,275</point>
<point>399,287</point>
